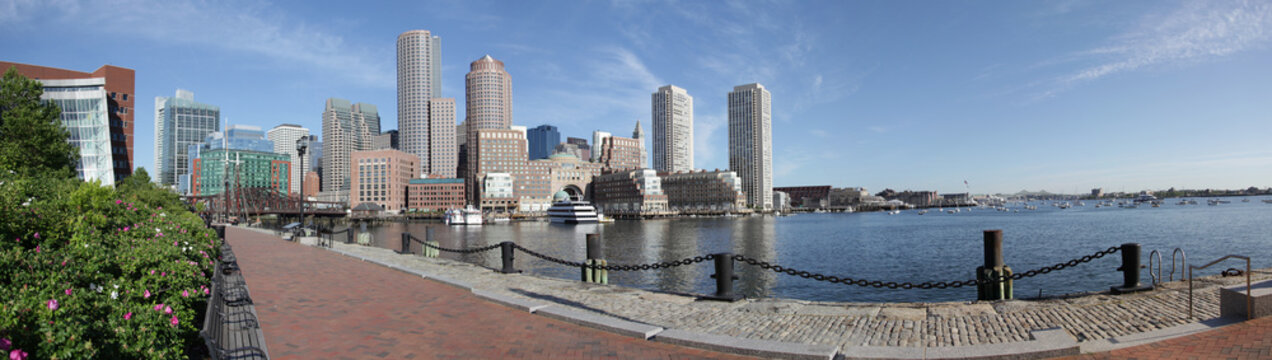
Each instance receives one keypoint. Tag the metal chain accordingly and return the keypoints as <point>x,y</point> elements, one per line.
<point>925,285</point>
<point>640,267</point>
<point>461,251</point>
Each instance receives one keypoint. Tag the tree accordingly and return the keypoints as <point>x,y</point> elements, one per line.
<point>32,140</point>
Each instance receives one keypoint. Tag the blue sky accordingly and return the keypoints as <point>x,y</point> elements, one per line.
<point>1008,95</point>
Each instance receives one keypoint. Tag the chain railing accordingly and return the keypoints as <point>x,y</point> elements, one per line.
<point>724,265</point>
<point>924,285</point>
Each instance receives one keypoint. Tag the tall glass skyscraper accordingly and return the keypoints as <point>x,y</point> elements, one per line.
<point>543,141</point>
<point>425,125</point>
<point>284,137</point>
<point>673,129</point>
<point>180,122</point>
<point>346,128</point>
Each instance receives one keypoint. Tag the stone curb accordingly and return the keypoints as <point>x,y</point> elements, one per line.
<point>607,323</point>
<point>734,345</point>
<point>1046,343</point>
<point>512,302</point>
<point>1120,342</point>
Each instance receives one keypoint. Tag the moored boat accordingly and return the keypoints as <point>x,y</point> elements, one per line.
<point>465,216</point>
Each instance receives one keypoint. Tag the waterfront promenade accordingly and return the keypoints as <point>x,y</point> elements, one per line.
<point>315,302</point>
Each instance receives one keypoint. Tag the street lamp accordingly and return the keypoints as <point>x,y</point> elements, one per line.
<point>301,145</point>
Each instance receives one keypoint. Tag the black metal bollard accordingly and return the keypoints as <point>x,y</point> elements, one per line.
<point>994,270</point>
<point>220,232</point>
<point>507,252</point>
<point>349,236</point>
<point>724,278</point>
<point>1130,270</point>
<point>406,244</point>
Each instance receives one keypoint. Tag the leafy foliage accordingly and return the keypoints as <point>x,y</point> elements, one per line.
<point>32,140</point>
<point>88,271</point>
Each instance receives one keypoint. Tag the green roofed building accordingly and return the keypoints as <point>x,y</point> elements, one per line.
<point>247,169</point>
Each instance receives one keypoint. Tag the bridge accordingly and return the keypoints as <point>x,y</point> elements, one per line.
<point>248,202</point>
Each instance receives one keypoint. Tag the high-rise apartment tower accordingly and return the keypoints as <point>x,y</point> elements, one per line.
<point>673,129</point>
<point>751,142</point>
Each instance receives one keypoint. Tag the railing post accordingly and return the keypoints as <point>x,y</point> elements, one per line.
<point>507,252</point>
<point>1130,270</point>
<point>429,251</point>
<point>406,243</point>
<point>994,276</point>
<point>724,278</point>
<point>595,255</point>
<point>349,235</point>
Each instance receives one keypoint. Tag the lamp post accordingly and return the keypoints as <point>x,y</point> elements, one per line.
<point>301,145</point>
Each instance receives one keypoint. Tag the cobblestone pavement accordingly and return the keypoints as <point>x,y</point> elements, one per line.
<point>315,304</point>
<point>1089,317</point>
<point>1247,340</point>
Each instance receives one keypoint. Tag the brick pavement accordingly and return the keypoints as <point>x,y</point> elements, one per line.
<point>314,303</point>
<point>1247,340</point>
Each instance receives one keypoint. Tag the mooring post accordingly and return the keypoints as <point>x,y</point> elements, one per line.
<point>220,232</point>
<point>406,243</point>
<point>507,252</point>
<point>1130,270</point>
<point>724,278</point>
<point>595,257</point>
<point>994,276</point>
<point>429,251</point>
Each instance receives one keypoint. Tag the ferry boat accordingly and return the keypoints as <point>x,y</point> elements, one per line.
<point>565,210</point>
<point>465,216</point>
<point>573,212</point>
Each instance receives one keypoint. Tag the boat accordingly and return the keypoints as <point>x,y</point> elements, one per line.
<point>921,212</point>
<point>1267,201</point>
<point>465,216</point>
<point>601,218</point>
<point>1245,200</point>
<point>573,212</point>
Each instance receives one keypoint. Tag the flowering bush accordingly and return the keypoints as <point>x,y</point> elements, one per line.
<point>88,271</point>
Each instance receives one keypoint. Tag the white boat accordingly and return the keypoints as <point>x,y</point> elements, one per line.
<point>921,212</point>
<point>465,216</point>
<point>1267,201</point>
<point>573,212</point>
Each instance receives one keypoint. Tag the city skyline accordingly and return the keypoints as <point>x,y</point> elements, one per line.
<point>1061,97</point>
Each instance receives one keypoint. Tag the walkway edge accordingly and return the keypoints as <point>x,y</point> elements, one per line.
<point>735,345</point>
<point>606,323</point>
<point>512,302</point>
<point>1150,337</point>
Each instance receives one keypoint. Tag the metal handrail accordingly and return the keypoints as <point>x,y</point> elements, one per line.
<point>1249,294</point>
<point>1156,277</point>
<point>1183,263</point>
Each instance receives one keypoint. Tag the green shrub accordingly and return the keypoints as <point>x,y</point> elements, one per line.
<point>83,268</point>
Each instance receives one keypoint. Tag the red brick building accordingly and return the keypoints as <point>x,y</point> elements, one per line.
<point>435,194</point>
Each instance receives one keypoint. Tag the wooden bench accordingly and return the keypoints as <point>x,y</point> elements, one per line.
<point>230,328</point>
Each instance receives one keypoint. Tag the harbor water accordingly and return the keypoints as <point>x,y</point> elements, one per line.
<point>905,247</point>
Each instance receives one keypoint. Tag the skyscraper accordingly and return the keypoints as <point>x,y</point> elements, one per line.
<point>97,109</point>
<point>419,80</point>
<point>751,142</point>
<point>489,95</point>
<point>673,129</point>
<point>543,140</point>
<point>284,137</point>
<point>180,122</point>
<point>345,128</point>
<point>487,105</point>
<point>443,149</point>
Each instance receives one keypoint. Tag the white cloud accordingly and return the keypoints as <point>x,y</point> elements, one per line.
<point>1196,32</point>
<point>253,27</point>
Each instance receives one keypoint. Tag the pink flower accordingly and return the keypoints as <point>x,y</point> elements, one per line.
<point>128,316</point>
<point>37,235</point>
<point>165,273</point>
<point>117,201</point>
<point>17,354</point>
<point>152,272</point>
<point>175,321</point>
<point>185,293</point>
<point>205,291</point>
<point>68,291</point>
<point>37,249</point>
<point>52,304</point>
<point>167,310</point>
<point>174,243</point>
<point>125,228</point>
<point>5,344</point>
<point>147,296</point>
<point>159,307</point>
